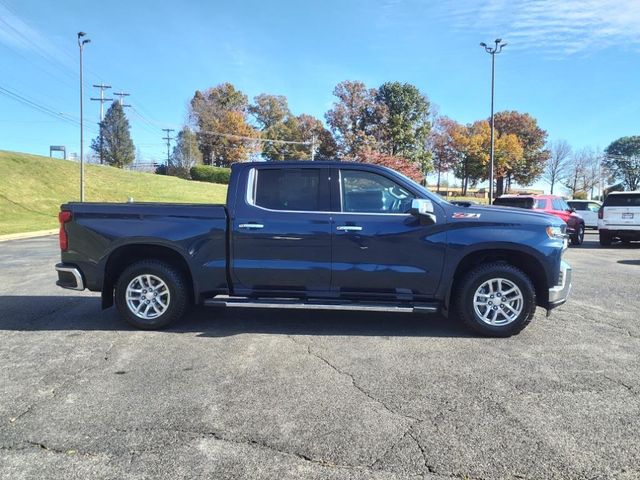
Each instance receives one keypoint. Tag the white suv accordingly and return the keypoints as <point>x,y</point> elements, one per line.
<point>619,217</point>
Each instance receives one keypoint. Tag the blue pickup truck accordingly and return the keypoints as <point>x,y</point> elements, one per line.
<point>317,235</point>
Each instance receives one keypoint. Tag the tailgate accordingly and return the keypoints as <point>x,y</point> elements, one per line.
<point>622,216</point>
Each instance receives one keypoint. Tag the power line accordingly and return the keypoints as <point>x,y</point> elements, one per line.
<point>42,108</point>
<point>121,100</point>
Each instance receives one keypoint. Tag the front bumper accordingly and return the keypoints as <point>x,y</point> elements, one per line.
<point>559,294</point>
<point>69,277</point>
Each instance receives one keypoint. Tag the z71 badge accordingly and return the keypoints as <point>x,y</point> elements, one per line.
<point>465,215</point>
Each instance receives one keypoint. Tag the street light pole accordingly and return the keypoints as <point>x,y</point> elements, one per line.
<point>81,44</point>
<point>493,51</point>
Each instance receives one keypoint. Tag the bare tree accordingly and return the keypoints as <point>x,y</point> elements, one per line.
<point>558,163</point>
<point>582,172</point>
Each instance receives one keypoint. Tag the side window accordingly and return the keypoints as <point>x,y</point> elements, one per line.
<point>288,189</point>
<point>367,192</point>
<point>558,204</point>
<point>541,203</point>
<point>580,205</point>
<point>594,207</point>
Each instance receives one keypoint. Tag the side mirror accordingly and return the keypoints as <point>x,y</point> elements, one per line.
<point>423,208</point>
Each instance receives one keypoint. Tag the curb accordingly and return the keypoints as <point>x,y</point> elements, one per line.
<point>23,235</point>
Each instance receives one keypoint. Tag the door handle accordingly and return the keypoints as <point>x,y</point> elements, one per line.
<point>349,228</point>
<point>251,226</point>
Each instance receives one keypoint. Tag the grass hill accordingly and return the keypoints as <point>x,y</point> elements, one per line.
<point>33,187</point>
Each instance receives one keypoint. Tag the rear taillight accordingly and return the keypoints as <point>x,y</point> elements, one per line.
<point>64,217</point>
<point>601,213</point>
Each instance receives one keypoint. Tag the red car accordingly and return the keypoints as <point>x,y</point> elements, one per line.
<point>551,204</point>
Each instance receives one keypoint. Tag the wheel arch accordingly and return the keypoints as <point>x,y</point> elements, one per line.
<point>125,255</point>
<point>526,262</point>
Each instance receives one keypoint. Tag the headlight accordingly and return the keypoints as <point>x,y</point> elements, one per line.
<point>555,232</point>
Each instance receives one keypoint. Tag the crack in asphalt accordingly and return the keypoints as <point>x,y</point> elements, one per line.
<point>354,383</point>
<point>55,391</point>
<point>423,451</point>
<point>584,316</point>
<point>414,420</point>
<point>621,383</point>
<point>250,442</point>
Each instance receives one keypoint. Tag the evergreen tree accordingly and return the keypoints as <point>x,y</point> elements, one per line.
<point>114,143</point>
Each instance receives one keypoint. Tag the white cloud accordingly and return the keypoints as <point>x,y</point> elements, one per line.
<point>17,34</point>
<point>564,26</point>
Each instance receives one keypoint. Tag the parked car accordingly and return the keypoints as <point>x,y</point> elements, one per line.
<point>551,204</point>
<point>619,217</point>
<point>317,235</point>
<point>463,203</point>
<point>588,210</point>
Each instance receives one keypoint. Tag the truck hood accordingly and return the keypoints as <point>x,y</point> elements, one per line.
<point>502,215</point>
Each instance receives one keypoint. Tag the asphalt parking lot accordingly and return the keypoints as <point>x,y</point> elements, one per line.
<point>264,394</point>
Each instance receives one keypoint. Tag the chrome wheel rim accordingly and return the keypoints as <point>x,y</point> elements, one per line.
<point>498,302</point>
<point>148,296</point>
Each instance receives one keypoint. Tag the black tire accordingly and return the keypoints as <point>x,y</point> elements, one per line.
<point>578,237</point>
<point>605,238</point>
<point>471,282</point>
<point>175,283</point>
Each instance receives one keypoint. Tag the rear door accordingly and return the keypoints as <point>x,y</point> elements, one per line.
<point>379,249</point>
<point>281,231</point>
<point>622,209</point>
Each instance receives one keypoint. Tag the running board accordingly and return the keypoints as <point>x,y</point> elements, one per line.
<point>289,303</point>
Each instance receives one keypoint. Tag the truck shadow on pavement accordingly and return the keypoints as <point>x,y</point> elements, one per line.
<point>63,313</point>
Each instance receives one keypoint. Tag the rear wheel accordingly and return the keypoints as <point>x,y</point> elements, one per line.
<point>578,237</point>
<point>151,294</point>
<point>496,299</point>
<point>605,238</point>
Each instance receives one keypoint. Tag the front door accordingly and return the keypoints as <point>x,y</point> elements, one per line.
<point>281,232</point>
<point>379,249</point>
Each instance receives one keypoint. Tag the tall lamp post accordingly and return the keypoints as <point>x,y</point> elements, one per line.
<point>493,51</point>
<point>81,43</point>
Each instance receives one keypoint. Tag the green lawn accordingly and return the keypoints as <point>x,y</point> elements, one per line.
<point>33,187</point>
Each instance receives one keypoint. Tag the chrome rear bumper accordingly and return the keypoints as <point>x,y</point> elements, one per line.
<point>69,277</point>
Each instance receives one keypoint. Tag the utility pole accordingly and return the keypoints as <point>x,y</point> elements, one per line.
<point>102,88</point>
<point>493,51</point>
<point>81,44</point>
<point>121,100</point>
<point>313,148</point>
<point>168,138</point>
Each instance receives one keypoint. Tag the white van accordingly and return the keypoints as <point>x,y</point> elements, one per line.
<point>619,217</point>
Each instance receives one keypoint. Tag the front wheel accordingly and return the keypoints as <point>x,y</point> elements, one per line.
<point>151,294</point>
<point>578,237</point>
<point>496,299</point>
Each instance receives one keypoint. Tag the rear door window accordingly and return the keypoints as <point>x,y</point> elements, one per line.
<point>297,189</point>
<point>623,200</point>
<point>540,204</point>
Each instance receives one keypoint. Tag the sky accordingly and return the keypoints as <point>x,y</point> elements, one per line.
<point>572,64</point>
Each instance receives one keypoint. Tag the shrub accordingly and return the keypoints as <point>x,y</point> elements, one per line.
<point>580,195</point>
<point>208,173</point>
